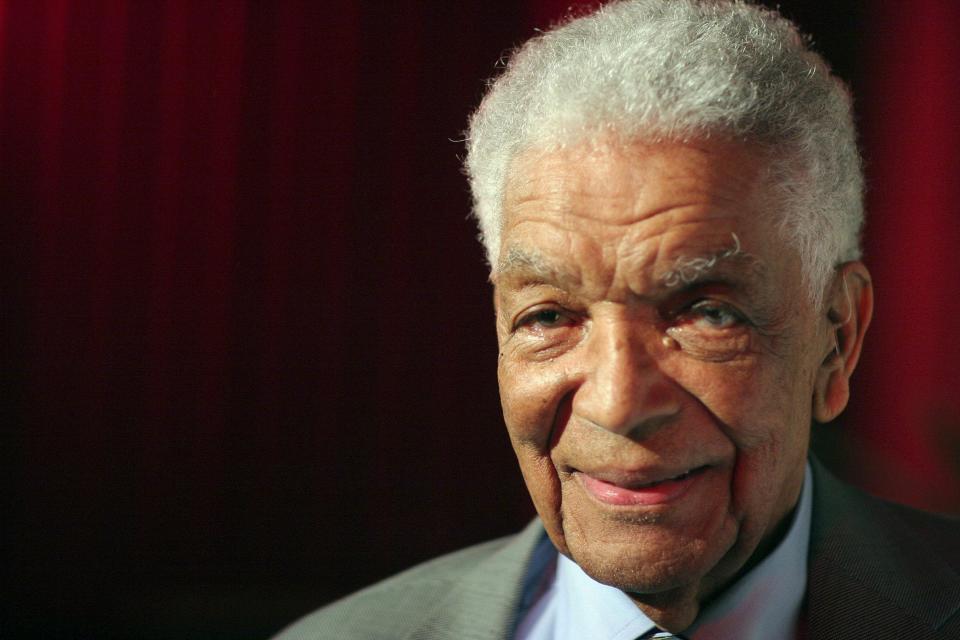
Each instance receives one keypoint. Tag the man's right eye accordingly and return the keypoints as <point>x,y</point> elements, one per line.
<point>544,318</point>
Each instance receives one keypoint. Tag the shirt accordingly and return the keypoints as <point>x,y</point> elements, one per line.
<point>567,604</point>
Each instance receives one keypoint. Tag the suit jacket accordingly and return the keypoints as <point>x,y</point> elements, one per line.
<point>877,571</point>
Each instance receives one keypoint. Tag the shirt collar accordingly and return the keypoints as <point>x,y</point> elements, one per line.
<point>765,603</point>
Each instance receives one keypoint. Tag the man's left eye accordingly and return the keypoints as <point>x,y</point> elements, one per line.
<point>714,315</point>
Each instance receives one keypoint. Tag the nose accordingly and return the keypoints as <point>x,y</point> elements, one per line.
<point>624,390</point>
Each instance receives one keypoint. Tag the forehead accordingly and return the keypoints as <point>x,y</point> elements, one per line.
<point>633,176</point>
<point>640,210</point>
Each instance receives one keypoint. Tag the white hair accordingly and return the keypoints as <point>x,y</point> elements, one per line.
<point>678,70</point>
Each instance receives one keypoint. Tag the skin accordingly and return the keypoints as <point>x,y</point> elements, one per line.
<point>608,374</point>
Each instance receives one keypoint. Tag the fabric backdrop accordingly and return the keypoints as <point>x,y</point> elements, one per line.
<point>248,355</point>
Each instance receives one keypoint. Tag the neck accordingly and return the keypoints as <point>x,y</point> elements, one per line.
<point>672,611</point>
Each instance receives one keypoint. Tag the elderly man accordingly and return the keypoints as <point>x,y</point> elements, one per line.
<point>669,193</point>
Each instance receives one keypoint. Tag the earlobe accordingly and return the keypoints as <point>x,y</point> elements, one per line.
<point>849,310</point>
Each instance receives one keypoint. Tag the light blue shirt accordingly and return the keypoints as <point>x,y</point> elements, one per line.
<point>765,604</point>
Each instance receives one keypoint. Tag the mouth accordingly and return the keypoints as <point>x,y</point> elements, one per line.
<point>628,489</point>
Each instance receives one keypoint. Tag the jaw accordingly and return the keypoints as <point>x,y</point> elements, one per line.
<point>676,609</point>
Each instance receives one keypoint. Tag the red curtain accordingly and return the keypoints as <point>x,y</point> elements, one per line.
<point>250,338</point>
<point>249,360</point>
<point>905,420</point>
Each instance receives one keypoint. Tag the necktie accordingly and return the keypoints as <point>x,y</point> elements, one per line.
<point>658,634</point>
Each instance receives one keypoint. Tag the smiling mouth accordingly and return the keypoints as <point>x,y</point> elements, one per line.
<point>623,491</point>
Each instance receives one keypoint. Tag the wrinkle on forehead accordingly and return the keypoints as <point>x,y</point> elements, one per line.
<point>628,221</point>
<point>667,240</point>
<point>561,180</point>
<point>641,275</point>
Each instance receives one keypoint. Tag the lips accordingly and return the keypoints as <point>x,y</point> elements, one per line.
<point>637,489</point>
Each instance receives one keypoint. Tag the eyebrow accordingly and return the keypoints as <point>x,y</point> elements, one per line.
<point>690,270</point>
<point>530,268</point>
<point>740,268</point>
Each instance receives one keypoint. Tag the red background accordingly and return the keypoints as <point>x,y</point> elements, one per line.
<point>248,350</point>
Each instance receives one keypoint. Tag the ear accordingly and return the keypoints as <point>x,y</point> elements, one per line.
<point>848,310</point>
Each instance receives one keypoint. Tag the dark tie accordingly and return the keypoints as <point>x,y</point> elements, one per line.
<point>657,634</point>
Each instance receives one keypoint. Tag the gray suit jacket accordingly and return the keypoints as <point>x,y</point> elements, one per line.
<point>877,571</point>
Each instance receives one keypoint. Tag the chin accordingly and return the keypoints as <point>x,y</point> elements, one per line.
<point>645,567</point>
<point>646,549</point>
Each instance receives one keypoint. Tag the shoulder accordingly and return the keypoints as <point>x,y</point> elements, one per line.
<point>939,534</point>
<point>843,513</point>
<point>403,604</point>
<point>898,567</point>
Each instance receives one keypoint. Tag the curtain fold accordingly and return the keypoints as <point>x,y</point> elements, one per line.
<point>906,412</point>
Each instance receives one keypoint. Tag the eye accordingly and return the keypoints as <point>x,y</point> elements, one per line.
<point>545,318</point>
<point>711,331</point>
<point>713,315</point>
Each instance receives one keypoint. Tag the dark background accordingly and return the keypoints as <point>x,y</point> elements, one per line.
<point>248,348</point>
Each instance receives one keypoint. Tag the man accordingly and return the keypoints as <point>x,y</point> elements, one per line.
<point>669,192</point>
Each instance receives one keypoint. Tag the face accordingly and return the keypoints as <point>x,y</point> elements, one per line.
<point>658,356</point>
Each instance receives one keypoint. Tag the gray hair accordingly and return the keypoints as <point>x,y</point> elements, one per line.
<point>678,70</point>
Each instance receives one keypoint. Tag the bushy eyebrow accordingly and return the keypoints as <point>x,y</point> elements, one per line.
<point>740,269</point>
<point>528,268</point>
<point>689,270</point>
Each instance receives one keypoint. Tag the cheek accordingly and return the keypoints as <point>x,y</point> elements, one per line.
<point>530,395</point>
<point>759,405</point>
<point>756,401</point>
